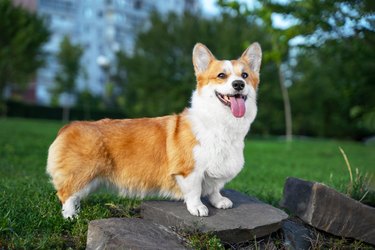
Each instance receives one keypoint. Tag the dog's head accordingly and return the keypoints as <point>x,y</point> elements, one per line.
<point>232,83</point>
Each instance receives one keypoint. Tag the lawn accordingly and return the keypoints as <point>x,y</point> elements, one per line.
<point>30,212</point>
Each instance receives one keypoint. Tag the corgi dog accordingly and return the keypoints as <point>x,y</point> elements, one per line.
<point>181,156</point>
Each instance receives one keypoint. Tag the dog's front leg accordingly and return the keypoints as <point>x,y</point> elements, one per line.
<point>212,187</point>
<point>191,187</point>
<point>219,201</point>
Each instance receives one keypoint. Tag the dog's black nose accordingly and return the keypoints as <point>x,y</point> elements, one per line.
<point>238,85</point>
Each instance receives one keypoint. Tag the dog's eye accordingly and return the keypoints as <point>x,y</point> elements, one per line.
<point>221,75</point>
<point>244,75</point>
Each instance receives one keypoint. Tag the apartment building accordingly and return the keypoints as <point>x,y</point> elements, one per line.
<point>102,28</point>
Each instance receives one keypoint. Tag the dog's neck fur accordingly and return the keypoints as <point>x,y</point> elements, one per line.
<point>210,117</point>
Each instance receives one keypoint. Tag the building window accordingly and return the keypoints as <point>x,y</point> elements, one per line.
<point>138,4</point>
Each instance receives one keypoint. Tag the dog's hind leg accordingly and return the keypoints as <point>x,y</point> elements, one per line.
<point>71,182</point>
<point>71,205</point>
<point>76,162</point>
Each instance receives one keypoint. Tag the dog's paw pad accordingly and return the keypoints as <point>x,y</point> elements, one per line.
<point>199,210</point>
<point>223,203</point>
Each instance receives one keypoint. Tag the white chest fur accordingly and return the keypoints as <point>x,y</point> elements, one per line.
<point>219,154</point>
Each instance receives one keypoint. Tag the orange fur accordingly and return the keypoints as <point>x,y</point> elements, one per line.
<point>140,155</point>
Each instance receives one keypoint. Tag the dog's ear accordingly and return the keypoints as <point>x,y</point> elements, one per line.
<point>253,56</point>
<point>202,57</point>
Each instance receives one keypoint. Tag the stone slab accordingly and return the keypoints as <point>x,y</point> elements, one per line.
<point>247,219</point>
<point>328,210</point>
<point>296,235</point>
<point>123,233</point>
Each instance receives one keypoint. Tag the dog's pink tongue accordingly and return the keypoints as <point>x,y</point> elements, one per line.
<point>237,106</point>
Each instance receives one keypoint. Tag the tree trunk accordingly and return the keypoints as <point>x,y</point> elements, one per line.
<point>3,109</point>
<point>287,107</point>
<point>86,111</point>
<point>66,114</point>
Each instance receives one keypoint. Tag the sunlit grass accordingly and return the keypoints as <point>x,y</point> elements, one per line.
<point>30,211</point>
<point>270,162</point>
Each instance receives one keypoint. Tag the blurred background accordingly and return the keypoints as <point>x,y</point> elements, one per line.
<point>90,59</point>
<point>64,60</point>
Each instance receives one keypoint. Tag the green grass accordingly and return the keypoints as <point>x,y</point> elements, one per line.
<point>269,162</point>
<point>30,211</point>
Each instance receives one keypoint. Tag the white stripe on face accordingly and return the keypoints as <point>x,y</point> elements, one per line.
<point>228,67</point>
<point>229,70</point>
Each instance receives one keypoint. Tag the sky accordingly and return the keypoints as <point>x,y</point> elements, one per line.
<point>210,8</point>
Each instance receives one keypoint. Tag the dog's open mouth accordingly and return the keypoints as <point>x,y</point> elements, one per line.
<point>235,102</point>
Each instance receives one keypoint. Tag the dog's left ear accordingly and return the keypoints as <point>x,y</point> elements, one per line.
<point>253,56</point>
<point>202,57</point>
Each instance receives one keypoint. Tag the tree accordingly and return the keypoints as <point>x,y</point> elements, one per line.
<point>326,25</point>
<point>335,83</point>
<point>278,53</point>
<point>22,35</point>
<point>158,78</point>
<point>340,37</point>
<point>66,77</point>
<point>336,57</point>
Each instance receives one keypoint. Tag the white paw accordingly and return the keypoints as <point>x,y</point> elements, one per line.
<point>70,208</point>
<point>223,203</point>
<point>69,213</point>
<point>198,210</point>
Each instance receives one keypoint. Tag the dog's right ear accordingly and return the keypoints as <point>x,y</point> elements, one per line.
<point>202,57</point>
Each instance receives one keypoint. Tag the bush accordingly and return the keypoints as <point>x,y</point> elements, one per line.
<point>19,109</point>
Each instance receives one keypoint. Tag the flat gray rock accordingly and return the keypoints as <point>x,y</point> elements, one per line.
<point>328,210</point>
<point>123,233</point>
<point>247,219</point>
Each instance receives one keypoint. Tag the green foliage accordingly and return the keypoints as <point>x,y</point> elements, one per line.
<point>30,213</point>
<point>358,186</point>
<point>22,35</point>
<point>323,240</point>
<point>279,51</point>
<point>336,71</point>
<point>331,75</point>
<point>335,84</point>
<point>159,76</point>
<point>90,112</point>
<point>68,59</point>
<point>332,71</point>
<point>325,20</point>
<point>205,241</point>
